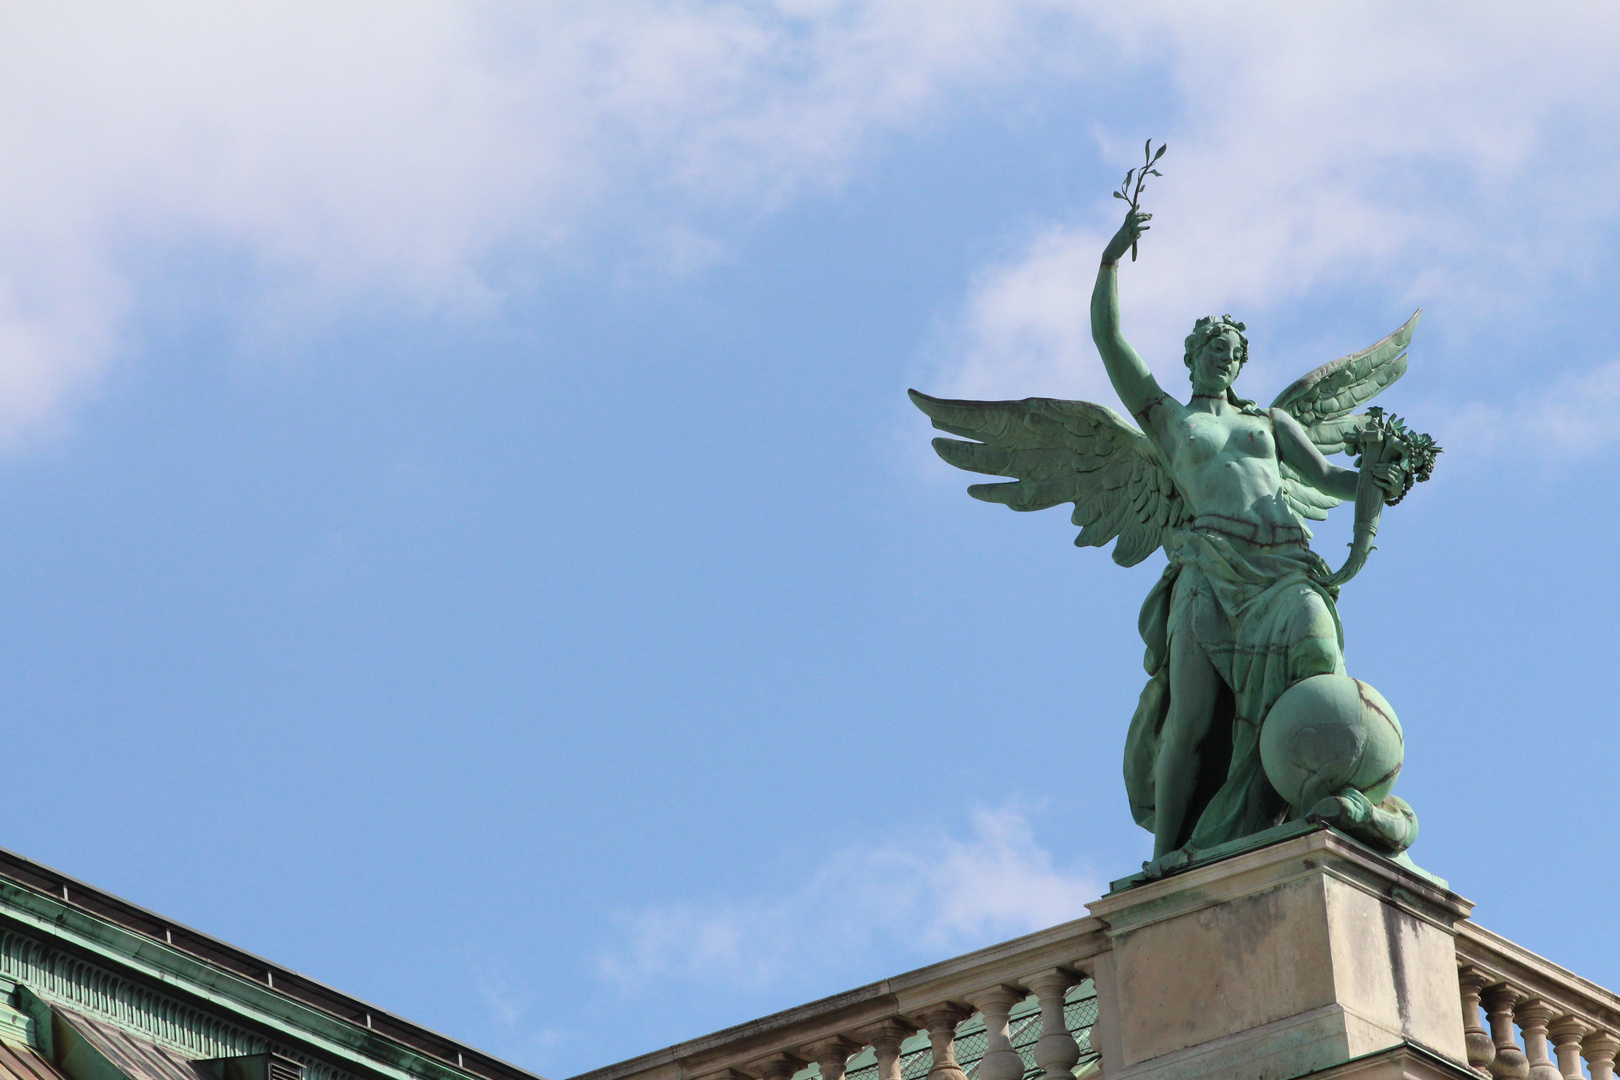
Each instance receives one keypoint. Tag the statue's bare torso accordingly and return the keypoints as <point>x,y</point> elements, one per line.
<point>1226,465</point>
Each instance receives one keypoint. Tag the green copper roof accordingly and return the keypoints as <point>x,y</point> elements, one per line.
<point>79,948</point>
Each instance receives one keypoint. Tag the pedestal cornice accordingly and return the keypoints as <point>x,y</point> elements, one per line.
<point>1316,852</point>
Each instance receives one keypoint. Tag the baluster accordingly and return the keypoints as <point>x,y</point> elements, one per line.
<point>1567,1033</point>
<point>1510,1062</point>
<point>942,1021</point>
<point>832,1055</point>
<point>1481,1050</point>
<point>1600,1049</point>
<point>1000,1061</point>
<point>1533,1016</point>
<point>777,1067</point>
<point>886,1038</point>
<point>1056,1052</point>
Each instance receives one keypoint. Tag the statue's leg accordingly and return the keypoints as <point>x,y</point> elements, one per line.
<point>1313,639</point>
<point>1194,688</point>
<point>1390,826</point>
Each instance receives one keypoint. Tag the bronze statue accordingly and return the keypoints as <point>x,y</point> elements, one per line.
<point>1248,718</point>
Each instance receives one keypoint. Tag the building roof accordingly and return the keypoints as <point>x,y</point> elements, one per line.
<point>59,936</point>
<point>145,998</point>
<point>24,1063</point>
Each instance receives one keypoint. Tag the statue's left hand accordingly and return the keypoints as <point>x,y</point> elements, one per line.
<point>1390,478</point>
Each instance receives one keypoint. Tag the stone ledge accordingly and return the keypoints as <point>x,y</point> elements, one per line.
<point>1300,853</point>
<point>1407,1061</point>
<point>1507,962</point>
<point>1292,1046</point>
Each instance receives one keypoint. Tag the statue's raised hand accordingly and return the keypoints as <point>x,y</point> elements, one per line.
<point>1129,233</point>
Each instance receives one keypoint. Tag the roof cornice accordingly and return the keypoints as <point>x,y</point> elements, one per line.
<point>282,1004</point>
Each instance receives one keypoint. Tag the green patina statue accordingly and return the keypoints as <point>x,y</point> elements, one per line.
<point>1248,719</point>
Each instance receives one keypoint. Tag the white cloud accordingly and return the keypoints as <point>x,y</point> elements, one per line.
<point>934,896</point>
<point>369,150</point>
<point>1027,326</point>
<point>379,149</point>
<point>1576,417</point>
<point>1443,155</point>
<point>507,1008</point>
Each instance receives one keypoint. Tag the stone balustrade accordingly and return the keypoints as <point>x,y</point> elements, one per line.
<point>1021,1010</point>
<point>1561,1018</point>
<point>1306,956</point>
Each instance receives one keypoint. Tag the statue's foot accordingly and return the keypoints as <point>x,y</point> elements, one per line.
<point>1348,810</point>
<point>1168,863</point>
<point>1390,827</point>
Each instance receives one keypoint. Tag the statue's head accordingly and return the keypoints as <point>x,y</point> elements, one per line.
<point>1216,352</point>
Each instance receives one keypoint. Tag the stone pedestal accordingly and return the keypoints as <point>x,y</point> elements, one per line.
<point>1305,955</point>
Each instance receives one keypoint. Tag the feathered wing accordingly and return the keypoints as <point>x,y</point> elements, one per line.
<point>1065,451</point>
<point>1324,402</point>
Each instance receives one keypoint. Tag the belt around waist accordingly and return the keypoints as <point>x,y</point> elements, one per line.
<point>1260,534</point>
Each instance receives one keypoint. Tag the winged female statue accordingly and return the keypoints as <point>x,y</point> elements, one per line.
<point>1245,610</point>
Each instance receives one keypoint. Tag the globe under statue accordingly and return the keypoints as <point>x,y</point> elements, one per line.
<point>1248,719</point>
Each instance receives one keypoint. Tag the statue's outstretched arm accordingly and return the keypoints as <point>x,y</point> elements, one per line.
<point>1295,448</point>
<point>1132,380</point>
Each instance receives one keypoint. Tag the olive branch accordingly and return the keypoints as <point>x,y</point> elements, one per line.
<point>1149,158</point>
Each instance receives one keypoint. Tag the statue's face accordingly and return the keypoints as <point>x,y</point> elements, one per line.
<point>1216,365</point>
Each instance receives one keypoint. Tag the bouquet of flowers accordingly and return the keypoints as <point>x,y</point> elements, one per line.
<point>1383,440</point>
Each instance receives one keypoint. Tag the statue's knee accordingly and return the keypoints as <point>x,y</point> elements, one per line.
<point>1173,746</point>
<point>1313,656</point>
<point>1182,735</point>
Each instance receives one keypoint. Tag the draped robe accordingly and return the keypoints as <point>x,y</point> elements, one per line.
<point>1265,620</point>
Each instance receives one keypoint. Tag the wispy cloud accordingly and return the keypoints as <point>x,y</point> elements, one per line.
<point>510,1004</point>
<point>1577,417</point>
<point>505,1005</point>
<point>367,151</point>
<point>929,897</point>
<point>351,153</point>
<point>1374,149</point>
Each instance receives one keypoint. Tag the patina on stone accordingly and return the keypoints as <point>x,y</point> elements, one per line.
<point>1245,614</point>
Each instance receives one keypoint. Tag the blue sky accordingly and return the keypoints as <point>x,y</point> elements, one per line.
<point>465,536</point>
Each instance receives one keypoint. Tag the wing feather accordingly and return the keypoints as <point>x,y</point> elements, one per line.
<point>1305,500</point>
<point>1337,388</point>
<point>1329,435</point>
<point>1324,402</point>
<point>1133,547</point>
<point>1064,451</point>
<point>1024,494</point>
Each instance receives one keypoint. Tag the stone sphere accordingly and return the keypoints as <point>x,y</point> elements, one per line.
<point>1329,732</point>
